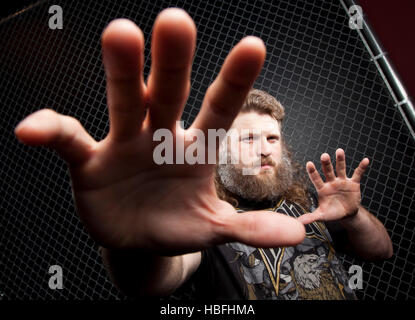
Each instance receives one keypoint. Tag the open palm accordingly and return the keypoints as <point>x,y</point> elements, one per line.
<point>125,199</point>
<point>339,196</point>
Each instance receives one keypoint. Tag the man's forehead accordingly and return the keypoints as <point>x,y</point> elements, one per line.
<point>254,120</point>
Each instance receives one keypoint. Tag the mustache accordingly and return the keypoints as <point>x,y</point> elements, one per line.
<point>268,161</point>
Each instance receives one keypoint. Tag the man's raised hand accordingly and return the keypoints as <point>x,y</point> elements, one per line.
<point>339,196</point>
<point>123,198</point>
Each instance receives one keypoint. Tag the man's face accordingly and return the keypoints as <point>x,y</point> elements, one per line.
<point>258,142</point>
<point>264,169</point>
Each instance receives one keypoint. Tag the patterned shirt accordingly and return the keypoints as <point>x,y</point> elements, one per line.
<point>310,270</point>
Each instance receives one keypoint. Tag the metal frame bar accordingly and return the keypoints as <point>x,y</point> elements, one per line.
<point>386,71</point>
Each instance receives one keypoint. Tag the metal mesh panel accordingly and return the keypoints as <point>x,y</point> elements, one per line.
<point>316,66</point>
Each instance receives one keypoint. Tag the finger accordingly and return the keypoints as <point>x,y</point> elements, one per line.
<point>264,229</point>
<point>341,164</point>
<point>61,133</point>
<point>173,45</point>
<point>311,217</point>
<point>314,176</point>
<point>327,167</point>
<point>123,57</point>
<point>360,170</point>
<point>227,93</point>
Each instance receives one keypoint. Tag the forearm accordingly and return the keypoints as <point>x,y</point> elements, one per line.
<point>138,273</point>
<point>368,237</point>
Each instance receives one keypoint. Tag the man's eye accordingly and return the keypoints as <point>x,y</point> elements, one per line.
<point>273,139</point>
<point>247,139</point>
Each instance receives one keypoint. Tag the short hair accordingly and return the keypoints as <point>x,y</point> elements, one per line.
<point>263,103</point>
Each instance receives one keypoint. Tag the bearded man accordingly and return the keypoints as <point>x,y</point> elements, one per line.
<point>259,235</point>
<point>309,270</point>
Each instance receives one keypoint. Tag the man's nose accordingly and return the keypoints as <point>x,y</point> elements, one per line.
<point>265,148</point>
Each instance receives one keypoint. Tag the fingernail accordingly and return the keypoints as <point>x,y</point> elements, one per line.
<point>28,122</point>
<point>18,127</point>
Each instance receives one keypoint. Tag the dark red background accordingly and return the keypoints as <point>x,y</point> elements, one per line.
<point>393,23</point>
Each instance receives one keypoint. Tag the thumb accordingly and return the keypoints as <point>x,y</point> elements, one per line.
<point>265,229</point>
<point>310,217</point>
<point>61,133</point>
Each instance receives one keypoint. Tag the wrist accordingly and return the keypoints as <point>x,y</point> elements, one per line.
<point>352,219</point>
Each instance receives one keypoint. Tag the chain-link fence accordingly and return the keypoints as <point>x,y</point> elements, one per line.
<point>316,66</point>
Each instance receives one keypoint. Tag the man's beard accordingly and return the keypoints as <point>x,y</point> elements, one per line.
<point>263,186</point>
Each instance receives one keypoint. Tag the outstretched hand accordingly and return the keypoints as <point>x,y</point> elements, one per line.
<point>125,199</point>
<point>339,196</point>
